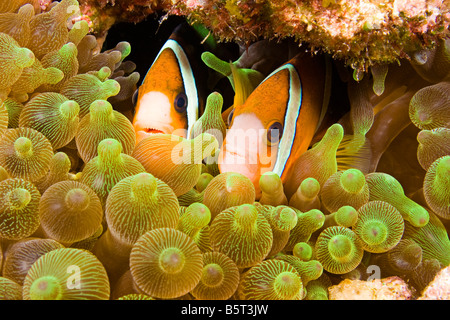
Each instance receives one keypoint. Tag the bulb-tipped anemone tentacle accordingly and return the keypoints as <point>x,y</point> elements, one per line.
<point>271,280</point>
<point>319,162</point>
<point>175,160</point>
<point>303,251</point>
<point>19,208</point>
<point>53,115</point>
<point>318,289</point>
<point>13,59</point>
<point>49,30</point>
<point>70,211</point>
<point>211,120</point>
<point>138,204</point>
<point>243,234</point>
<point>64,59</point>
<point>226,190</point>
<point>436,186</point>
<point>17,25</point>
<point>10,290</point>
<point>166,263</point>
<point>307,196</point>
<point>60,166</point>
<point>345,188</point>
<point>194,221</point>
<point>100,123</point>
<point>339,250</point>
<point>272,191</point>
<point>308,270</point>
<point>428,108</point>
<point>33,77</point>
<point>282,220</point>
<point>203,180</point>
<point>25,153</point>
<point>54,277</point>
<point>22,255</point>
<point>433,144</point>
<point>109,167</point>
<point>385,187</point>
<point>379,225</point>
<point>86,88</point>
<point>345,216</point>
<point>432,238</point>
<point>307,223</point>
<point>220,278</point>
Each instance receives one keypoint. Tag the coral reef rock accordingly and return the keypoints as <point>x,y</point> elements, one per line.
<point>362,32</point>
<point>439,288</point>
<point>392,288</point>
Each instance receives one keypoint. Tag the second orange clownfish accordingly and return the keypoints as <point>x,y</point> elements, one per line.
<point>278,120</point>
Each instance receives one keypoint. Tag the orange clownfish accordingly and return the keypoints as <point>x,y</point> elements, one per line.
<point>278,120</point>
<point>169,101</point>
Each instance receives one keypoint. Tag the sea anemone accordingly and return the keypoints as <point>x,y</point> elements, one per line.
<point>166,263</point>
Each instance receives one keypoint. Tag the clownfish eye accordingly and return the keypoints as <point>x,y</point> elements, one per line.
<point>230,117</point>
<point>274,132</point>
<point>180,102</point>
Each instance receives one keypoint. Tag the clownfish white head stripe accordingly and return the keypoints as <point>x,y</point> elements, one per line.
<point>168,99</point>
<point>190,87</point>
<point>290,120</point>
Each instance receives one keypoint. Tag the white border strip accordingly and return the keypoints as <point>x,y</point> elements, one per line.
<point>290,119</point>
<point>188,81</point>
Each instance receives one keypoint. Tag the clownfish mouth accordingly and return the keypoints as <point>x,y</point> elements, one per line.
<point>152,131</point>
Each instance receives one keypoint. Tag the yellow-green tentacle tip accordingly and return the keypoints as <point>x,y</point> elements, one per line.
<point>307,223</point>
<point>339,250</point>
<point>140,203</point>
<point>308,270</point>
<point>166,263</point>
<point>379,225</point>
<point>303,251</point>
<point>346,216</point>
<point>19,208</point>
<point>70,211</point>
<point>243,234</point>
<point>385,187</point>
<point>271,280</point>
<point>433,144</point>
<point>220,277</point>
<point>428,108</point>
<point>25,153</point>
<point>432,238</point>
<point>436,186</point>
<point>347,187</point>
<point>66,274</point>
